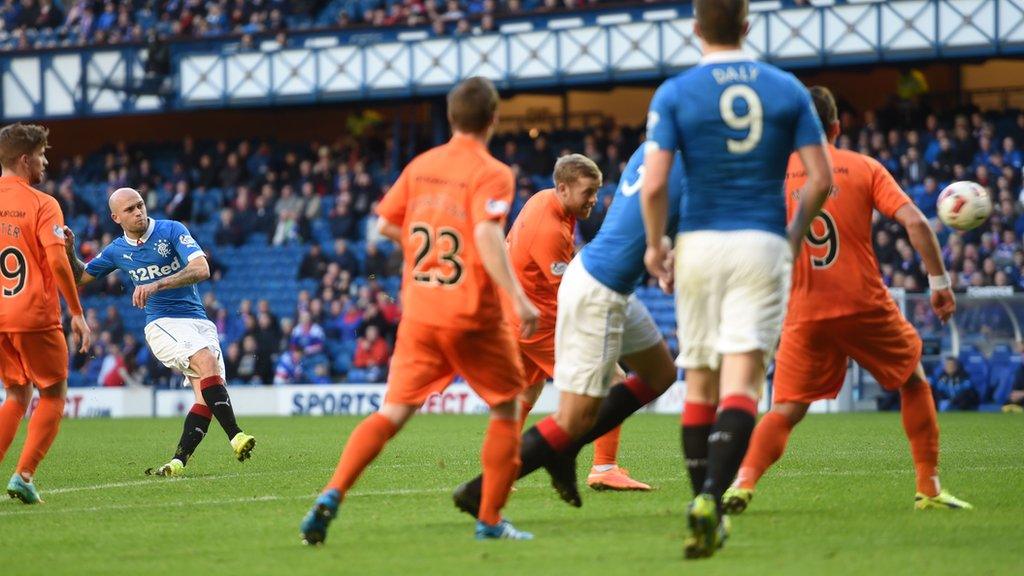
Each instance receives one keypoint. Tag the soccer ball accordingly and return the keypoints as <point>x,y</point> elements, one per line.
<point>964,205</point>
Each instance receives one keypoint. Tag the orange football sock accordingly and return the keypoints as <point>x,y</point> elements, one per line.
<point>500,458</point>
<point>362,447</point>
<point>606,448</point>
<point>11,413</point>
<point>922,428</point>
<point>42,429</point>
<point>524,413</point>
<point>766,447</point>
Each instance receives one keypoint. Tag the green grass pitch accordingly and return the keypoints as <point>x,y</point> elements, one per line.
<point>839,503</point>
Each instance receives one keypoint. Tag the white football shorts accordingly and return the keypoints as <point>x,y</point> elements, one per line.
<point>174,340</point>
<point>731,294</point>
<point>595,327</point>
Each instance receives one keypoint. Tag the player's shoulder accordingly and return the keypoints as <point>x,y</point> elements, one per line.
<point>855,161</point>
<point>491,166</point>
<point>774,73</point>
<point>533,210</point>
<point>32,199</point>
<point>676,86</point>
<point>170,228</point>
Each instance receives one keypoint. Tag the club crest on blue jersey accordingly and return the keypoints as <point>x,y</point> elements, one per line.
<point>163,247</point>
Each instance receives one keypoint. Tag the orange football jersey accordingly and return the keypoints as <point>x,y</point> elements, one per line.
<point>29,222</point>
<point>540,245</point>
<point>437,201</point>
<point>837,273</point>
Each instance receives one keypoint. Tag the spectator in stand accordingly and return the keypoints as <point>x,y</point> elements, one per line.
<point>289,368</point>
<point>344,258</point>
<point>540,159</point>
<point>350,322</point>
<point>389,309</point>
<point>232,358</point>
<point>113,371</point>
<point>372,355</point>
<point>307,335</point>
<point>375,264</point>
<point>954,389</point>
<point>314,263</point>
<point>113,323</point>
<point>343,223</point>
<point>229,230</point>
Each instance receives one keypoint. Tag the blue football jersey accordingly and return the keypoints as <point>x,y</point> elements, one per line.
<point>736,121</point>
<point>164,249</point>
<point>615,257</point>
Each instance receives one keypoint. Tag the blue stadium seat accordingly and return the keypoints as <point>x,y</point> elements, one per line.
<point>977,367</point>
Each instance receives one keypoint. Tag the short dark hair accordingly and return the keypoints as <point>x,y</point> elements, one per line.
<point>472,104</point>
<point>18,139</point>
<point>721,21</point>
<point>825,104</point>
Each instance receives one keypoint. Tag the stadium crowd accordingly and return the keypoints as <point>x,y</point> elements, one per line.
<point>320,196</point>
<point>29,24</point>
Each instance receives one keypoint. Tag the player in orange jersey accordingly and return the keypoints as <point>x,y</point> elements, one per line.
<point>839,309</point>
<point>448,211</point>
<point>33,349</point>
<point>541,244</point>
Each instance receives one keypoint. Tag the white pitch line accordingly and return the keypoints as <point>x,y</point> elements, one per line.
<point>44,509</point>
<point>156,481</point>
<point>392,492</point>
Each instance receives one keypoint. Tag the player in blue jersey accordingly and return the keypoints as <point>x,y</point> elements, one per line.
<point>165,263</point>
<point>736,121</point>
<point>600,321</point>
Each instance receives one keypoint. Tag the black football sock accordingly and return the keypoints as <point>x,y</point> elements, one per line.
<point>216,397</point>
<point>197,423</point>
<point>696,428</point>
<point>623,401</point>
<point>535,450</point>
<point>728,443</point>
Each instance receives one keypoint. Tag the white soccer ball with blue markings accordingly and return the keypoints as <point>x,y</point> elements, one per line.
<point>964,205</point>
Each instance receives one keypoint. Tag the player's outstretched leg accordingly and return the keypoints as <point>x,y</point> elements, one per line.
<point>500,460</point>
<point>42,430</point>
<point>215,394</point>
<point>921,426</point>
<point>362,447</point>
<point>12,411</point>
<point>766,448</point>
<point>546,445</point>
<point>197,423</point>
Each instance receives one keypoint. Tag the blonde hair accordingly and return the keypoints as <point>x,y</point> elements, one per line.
<point>572,167</point>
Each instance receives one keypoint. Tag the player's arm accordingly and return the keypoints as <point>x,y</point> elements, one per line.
<point>654,207</point>
<point>50,235</point>
<point>923,239</point>
<point>391,209</point>
<point>60,267</point>
<point>810,143</point>
<point>813,195</point>
<point>662,143</point>
<point>389,230</point>
<point>490,242</point>
<point>547,247</point>
<point>77,266</point>
<point>492,200</point>
<point>197,270</point>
